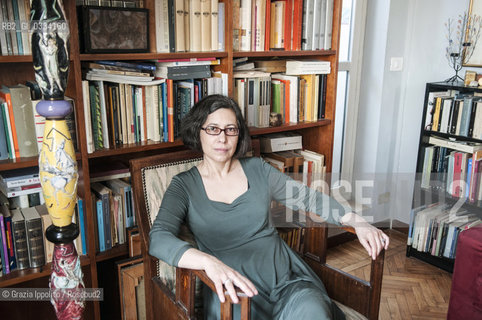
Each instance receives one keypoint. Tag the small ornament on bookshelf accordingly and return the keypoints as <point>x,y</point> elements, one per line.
<point>462,35</point>
<point>275,119</point>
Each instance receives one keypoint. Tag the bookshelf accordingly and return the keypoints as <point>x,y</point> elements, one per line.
<point>437,191</point>
<point>317,135</point>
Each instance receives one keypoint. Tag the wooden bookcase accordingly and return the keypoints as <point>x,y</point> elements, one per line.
<point>424,196</point>
<point>317,136</point>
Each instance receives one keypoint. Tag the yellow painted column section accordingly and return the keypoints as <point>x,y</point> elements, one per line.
<point>58,172</point>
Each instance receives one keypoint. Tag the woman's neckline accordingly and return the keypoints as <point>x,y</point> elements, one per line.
<point>221,202</point>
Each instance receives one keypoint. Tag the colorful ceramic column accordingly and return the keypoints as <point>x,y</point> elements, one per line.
<point>57,163</point>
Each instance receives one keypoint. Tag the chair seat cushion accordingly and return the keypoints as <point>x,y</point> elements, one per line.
<point>350,313</point>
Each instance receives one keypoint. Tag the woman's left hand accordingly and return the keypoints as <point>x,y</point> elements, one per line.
<point>371,238</point>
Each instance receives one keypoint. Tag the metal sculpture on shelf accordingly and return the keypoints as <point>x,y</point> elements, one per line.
<point>462,36</point>
<point>57,163</point>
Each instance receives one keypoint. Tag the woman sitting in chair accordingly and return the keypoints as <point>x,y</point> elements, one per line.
<point>225,201</point>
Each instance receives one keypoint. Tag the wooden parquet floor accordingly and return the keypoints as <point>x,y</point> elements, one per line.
<point>411,289</point>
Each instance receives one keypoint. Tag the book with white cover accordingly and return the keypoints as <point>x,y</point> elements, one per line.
<point>307,31</point>
<point>205,25</point>
<point>315,37</point>
<point>179,25</point>
<point>245,22</point>
<point>322,25</point>
<point>195,25</point>
<point>260,24</point>
<point>187,28</point>
<point>214,24</point>
<point>221,22</point>
<point>162,25</point>
<point>87,117</point>
<point>328,24</point>
<point>298,67</point>
<point>462,146</point>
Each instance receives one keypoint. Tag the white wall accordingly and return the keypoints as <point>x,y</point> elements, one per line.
<point>391,103</point>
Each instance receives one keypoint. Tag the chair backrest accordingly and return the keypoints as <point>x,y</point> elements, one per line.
<point>150,178</point>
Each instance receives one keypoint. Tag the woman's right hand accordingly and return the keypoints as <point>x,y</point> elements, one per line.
<point>224,276</point>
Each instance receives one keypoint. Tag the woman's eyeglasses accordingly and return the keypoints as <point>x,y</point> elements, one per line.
<point>214,131</point>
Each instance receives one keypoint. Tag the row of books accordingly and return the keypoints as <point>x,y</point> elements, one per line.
<point>112,3</point>
<point>21,127</point>
<point>22,236</point>
<point>263,25</point>
<point>123,112</point>
<point>295,98</point>
<point>304,165</point>
<point>453,167</point>
<point>189,25</point>
<point>435,228</point>
<point>114,206</point>
<point>14,31</point>
<point>454,113</point>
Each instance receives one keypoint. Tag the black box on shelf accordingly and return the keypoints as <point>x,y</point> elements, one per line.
<point>113,30</point>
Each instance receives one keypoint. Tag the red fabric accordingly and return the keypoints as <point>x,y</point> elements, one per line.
<point>466,293</point>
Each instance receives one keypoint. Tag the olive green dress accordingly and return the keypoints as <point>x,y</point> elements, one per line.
<point>240,235</point>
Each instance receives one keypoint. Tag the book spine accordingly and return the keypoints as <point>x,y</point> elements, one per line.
<point>100,226</point>
<point>172,25</point>
<point>3,136</point>
<point>5,264</point>
<point>80,206</point>
<point>21,248</point>
<point>12,127</point>
<point>129,206</point>
<point>35,242</point>
<point>141,66</point>
<point>107,221</point>
<point>10,243</point>
<point>21,182</point>
<point>16,193</point>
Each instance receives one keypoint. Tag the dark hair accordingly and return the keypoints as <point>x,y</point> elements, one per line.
<point>193,121</point>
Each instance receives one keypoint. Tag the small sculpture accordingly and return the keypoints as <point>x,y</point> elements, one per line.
<point>50,47</point>
<point>275,119</point>
<point>462,36</point>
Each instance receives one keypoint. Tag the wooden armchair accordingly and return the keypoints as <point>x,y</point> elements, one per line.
<point>172,293</point>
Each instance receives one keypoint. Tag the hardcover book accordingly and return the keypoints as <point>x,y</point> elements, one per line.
<point>46,222</point>
<point>23,115</point>
<point>35,237</point>
<point>20,239</point>
<point>3,137</point>
<point>104,194</point>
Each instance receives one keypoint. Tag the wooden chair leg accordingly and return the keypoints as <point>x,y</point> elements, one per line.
<point>227,307</point>
<point>227,310</point>
<point>245,308</point>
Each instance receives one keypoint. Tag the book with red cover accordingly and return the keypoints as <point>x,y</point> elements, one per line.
<point>457,177</point>
<point>296,26</point>
<point>170,110</point>
<point>267,25</point>
<point>287,24</point>
<point>5,95</point>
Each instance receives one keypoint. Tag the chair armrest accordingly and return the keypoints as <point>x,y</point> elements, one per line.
<point>226,307</point>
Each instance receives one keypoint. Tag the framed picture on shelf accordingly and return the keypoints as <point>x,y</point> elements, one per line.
<point>475,8</point>
<point>114,30</point>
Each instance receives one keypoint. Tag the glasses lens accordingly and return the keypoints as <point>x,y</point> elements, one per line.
<point>231,131</point>
<point>213,130</point>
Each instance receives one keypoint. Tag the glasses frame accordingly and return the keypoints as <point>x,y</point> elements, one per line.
<point>221,130</point>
